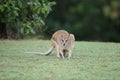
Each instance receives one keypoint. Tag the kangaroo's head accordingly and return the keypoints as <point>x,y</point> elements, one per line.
<point>64,40</point>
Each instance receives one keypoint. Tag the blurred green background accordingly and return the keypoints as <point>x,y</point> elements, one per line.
<point>89,20</point>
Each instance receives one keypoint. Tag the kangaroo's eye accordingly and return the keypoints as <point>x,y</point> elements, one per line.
<point>62,40</point>
<point>66,40</point>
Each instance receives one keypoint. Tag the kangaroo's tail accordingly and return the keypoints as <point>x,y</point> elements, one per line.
<point>46,53</point>
<point>49,51</point>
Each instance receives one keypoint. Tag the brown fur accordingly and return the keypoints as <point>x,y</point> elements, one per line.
<point>63,42</point>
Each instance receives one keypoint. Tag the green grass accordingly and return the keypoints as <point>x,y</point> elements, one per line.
<point>90,61</point>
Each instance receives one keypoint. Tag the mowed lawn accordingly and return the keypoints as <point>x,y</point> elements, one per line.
<point>90,61</point>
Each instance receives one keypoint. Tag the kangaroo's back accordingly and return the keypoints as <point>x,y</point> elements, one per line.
<point>61,34</point>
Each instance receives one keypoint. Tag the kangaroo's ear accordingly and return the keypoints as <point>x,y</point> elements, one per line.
<point>72,37</point>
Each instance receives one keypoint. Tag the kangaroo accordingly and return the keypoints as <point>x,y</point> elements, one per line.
<point>63,42</point>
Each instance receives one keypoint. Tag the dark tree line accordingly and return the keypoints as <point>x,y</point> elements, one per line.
<point>87,19</point>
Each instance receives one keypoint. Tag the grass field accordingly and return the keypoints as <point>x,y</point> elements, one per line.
<point>90,61</point>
